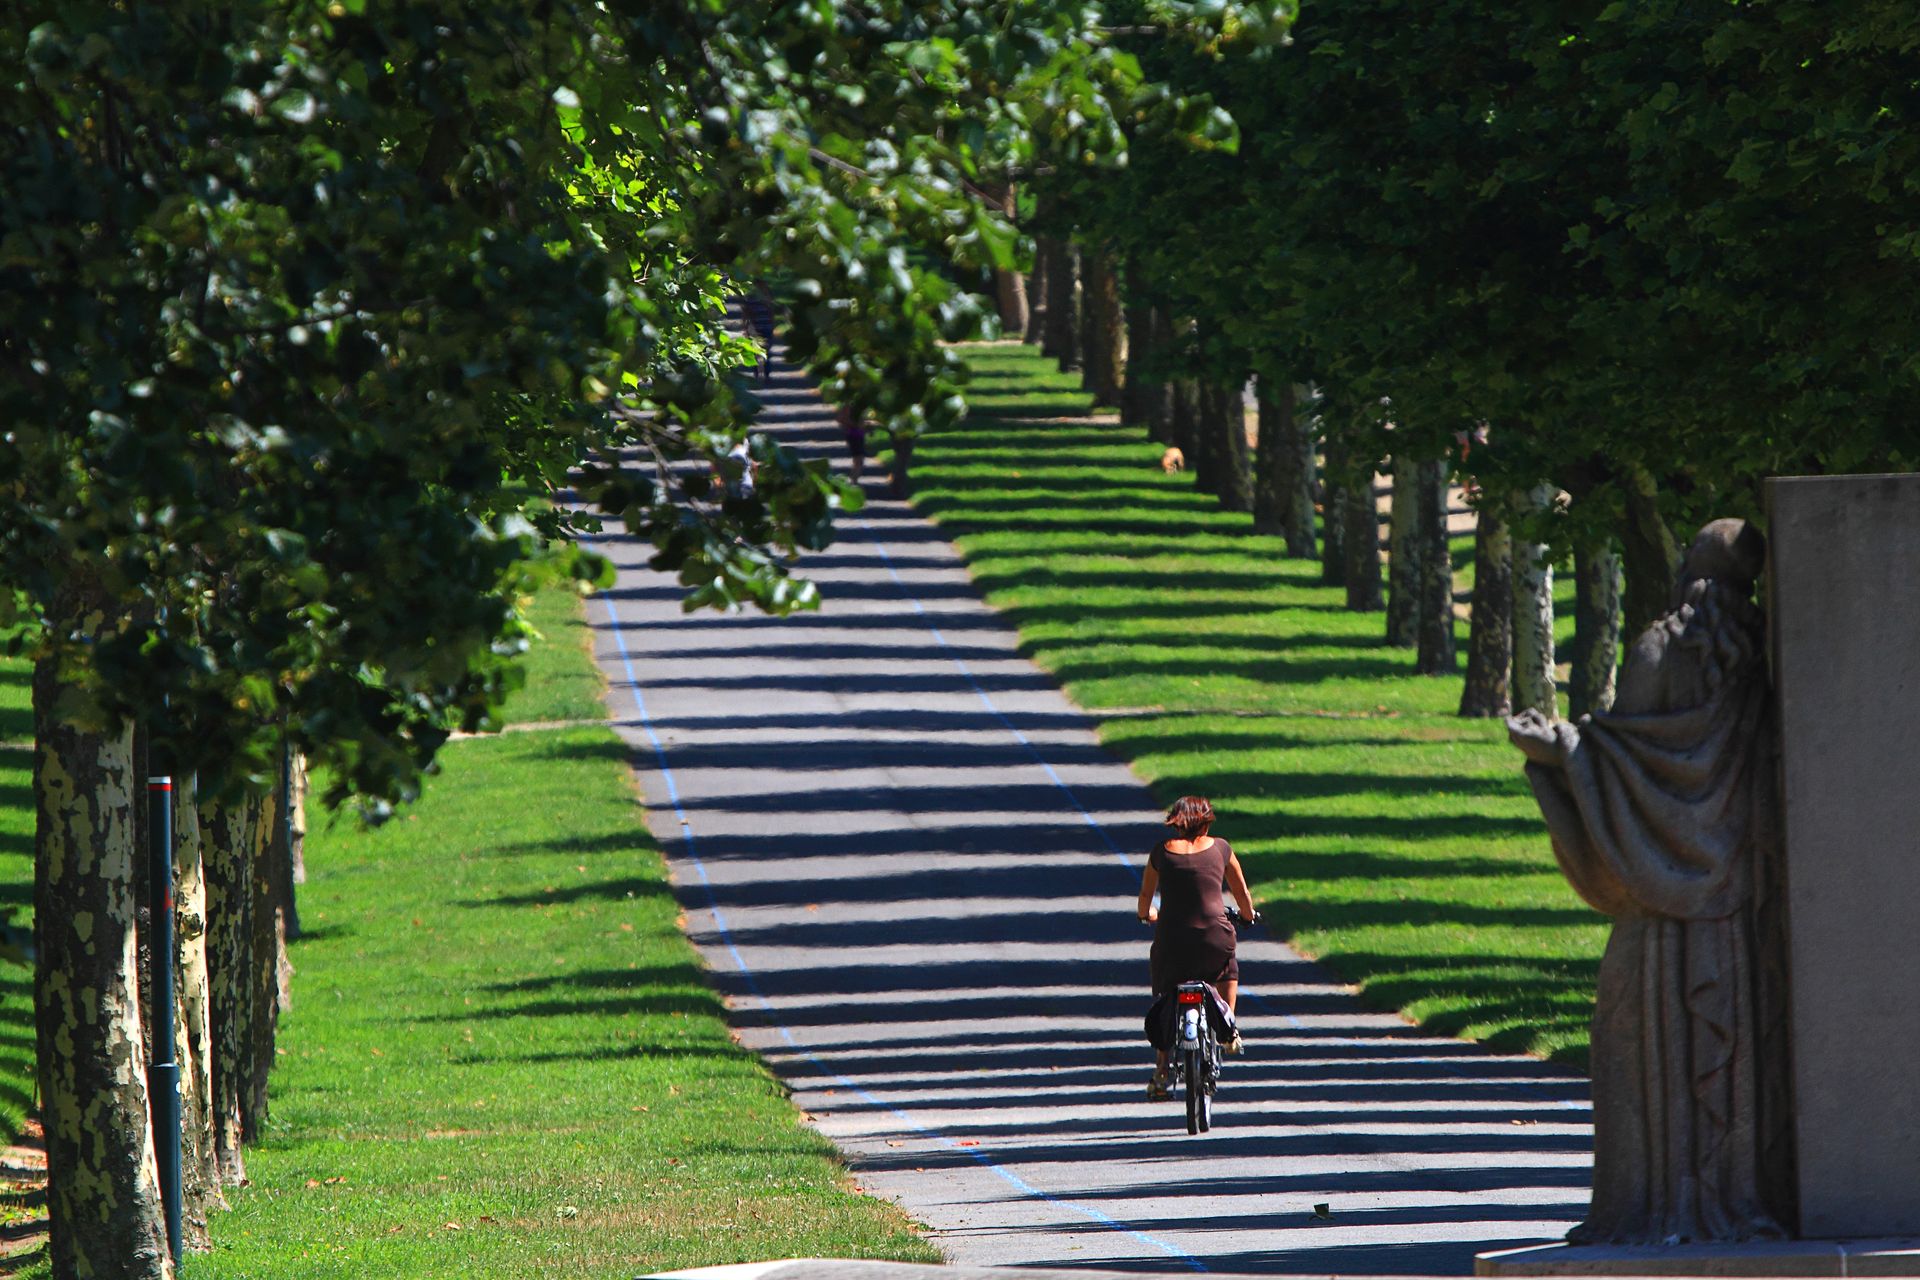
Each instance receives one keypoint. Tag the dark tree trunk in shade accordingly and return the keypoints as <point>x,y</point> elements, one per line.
<point>1184,421</point>
<point>1159,396</point>
<point>1596,631</point>
<point>227,844</point>
<point>1009,286</point>
<point>1363,544</point>
<point>1650,555</point>
<point>103,1194</point>
<point>266,961</point>
<point>1063,307</point>
<point>1226,428</point>
<point>1283,469</point>
<point>1102,334</point>
<point>1136,410</point>
<point>1333,516</point>
<point>1403,555</point>
<point>1043,250</point>
<point>1203,447</point>
<point>1488,689</point>
<point>1436,655</point>
<point>199,1163</point>
<point>1533,658</point>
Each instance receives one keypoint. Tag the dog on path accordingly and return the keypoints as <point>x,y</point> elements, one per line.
<point>1173,460</point>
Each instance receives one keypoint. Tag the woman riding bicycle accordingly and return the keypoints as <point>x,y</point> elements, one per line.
<point>1192,937</point>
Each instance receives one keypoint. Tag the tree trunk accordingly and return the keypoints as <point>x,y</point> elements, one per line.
<point>103,1193</point>
<point>1490,627</point>
<point>1063,307</point>
<point>1596,631</point>
<point>1403,558</point>
<point>1009,286</point>
<point>1135,404</point>
<point>193,1033</point>
<point>297,840</point>
<point>1283,469</point>
<point>1036,329</point>
<point>1204,453</point>
<point>1226,430</point>
<point>226,843</point>
<point>268,947</point>
<point>1333,515</point>
<point>1183,422</point>
<point>1102,334</point>
<point>1436,649</point>
<point>1650,553</point>
<point>1159,396</point>
<point>1533,687</point>
<point>1363,544</point>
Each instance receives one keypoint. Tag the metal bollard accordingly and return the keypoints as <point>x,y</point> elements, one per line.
<point>163,1076</point>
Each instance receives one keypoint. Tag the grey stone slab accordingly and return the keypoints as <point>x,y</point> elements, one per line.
<point>1758,1258</point>
<point>911,868</point>
<point>866,1269</point>
<point>1846,619</point>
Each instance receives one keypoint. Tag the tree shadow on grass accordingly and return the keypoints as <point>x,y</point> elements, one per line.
<point>685,974</point>
<point>600,891</point>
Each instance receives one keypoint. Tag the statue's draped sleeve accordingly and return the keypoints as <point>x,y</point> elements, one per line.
<point>1651,813</point>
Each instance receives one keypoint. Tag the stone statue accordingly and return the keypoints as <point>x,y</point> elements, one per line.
<point>1665,816</point>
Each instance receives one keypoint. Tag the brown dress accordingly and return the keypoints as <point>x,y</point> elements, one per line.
<point>1193,938</point>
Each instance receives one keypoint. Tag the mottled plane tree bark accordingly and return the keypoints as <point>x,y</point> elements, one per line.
<point>1434,617</point>
<point>1403,555</point>
<point>1595,660</point>
<point>1488,689</point>
<point>103,1189</point>
<point>1533,658</point>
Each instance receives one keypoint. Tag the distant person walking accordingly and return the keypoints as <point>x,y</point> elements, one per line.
<point>854,431</point>
<point>1192,938</point>
<point>758,308</point>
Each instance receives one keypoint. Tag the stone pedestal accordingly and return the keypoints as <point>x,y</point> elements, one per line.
<point>1774,1258</point>
<point>1845,601</point>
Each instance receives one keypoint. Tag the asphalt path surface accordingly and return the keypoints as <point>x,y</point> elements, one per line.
<point>912,868</point>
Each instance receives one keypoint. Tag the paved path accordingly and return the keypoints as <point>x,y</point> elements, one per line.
<point>911,867</point>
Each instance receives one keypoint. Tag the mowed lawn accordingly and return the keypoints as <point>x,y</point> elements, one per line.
<point>503,1057</point>
<point>1384,835</point>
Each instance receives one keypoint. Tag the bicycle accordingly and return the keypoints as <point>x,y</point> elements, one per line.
<point>1196,1045</point>
<point>1198,1053</point>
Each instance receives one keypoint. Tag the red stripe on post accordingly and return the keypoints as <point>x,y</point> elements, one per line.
<point>159,784</point>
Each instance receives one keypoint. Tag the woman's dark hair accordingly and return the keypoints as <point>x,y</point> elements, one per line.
<point>1190,816</point>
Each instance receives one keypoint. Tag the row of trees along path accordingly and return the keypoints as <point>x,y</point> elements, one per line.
<point>1382,527</point>
<point>1637,255</point>
<point>310,308</point>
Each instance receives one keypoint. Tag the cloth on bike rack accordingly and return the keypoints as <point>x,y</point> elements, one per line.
<point>1163,1018</point>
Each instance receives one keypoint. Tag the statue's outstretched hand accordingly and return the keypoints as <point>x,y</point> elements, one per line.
<point>1534,734</point>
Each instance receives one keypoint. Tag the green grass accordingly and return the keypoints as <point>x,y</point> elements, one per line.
<point>497,1023</point>
<point>1388,837</point>
<point>560,685</point>
<point>16,891</point>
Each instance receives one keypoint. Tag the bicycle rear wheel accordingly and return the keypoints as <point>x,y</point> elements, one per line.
<point>1196,1086</point>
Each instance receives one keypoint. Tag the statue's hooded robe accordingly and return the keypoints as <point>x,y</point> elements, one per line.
<point>1663,816</point>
